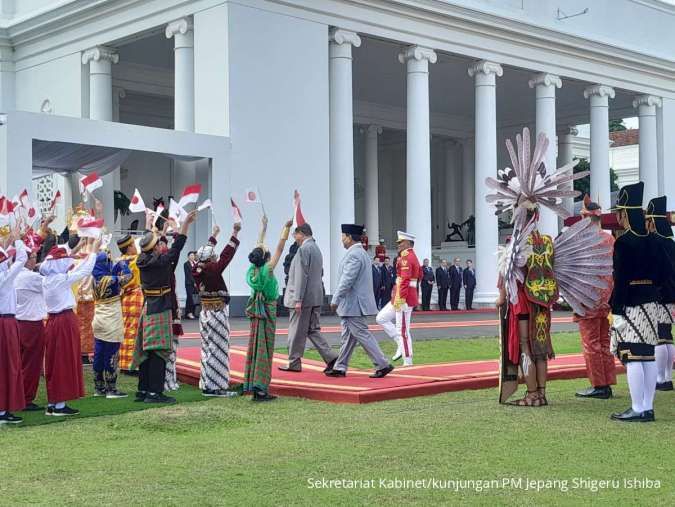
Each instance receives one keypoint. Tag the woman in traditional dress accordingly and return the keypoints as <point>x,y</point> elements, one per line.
<point>262,311</point>
<point>132,301</point>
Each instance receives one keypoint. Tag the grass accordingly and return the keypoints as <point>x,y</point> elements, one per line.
<point>234,452</point>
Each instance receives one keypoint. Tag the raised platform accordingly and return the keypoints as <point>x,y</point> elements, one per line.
<point>357,387</point>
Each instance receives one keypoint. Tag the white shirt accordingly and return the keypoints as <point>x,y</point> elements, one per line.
<point>57,288</point>
<point>30,301</point>
<point>8,276</point>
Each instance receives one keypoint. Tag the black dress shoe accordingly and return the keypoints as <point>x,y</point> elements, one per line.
<point>383,372</point>
<point>159,398</point>
<point>664,386</point>
<point>648,416</point>
<point>32,407</point>
<point>263,396</point>
<point>329,365</point>
<point>335,373</point>
<point>628,415</point>
<point>600,393</point>
<point>288,368</point>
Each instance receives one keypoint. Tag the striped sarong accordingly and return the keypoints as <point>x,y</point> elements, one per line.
<point>214,327</point>
<point>263,315</point>
<point>132,305</point>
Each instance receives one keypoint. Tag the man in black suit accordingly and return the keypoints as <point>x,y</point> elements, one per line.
<point>427,285</point>
<point>443,283</point>
<point>455,284</point>
<point>388,281</point>
<point>378,282</point>
<point>469,277</point>
<point>190,287</point>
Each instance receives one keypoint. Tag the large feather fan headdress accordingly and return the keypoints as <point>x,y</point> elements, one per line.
<point>526,185</point>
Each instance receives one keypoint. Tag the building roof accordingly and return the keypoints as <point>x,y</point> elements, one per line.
<point>624,137</point>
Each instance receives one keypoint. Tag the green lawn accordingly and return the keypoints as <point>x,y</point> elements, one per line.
<point>234,452</point>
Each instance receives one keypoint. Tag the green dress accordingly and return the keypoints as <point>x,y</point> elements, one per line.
<point>262,311</point>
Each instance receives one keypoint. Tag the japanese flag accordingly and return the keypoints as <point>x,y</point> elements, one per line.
<point>299,218</point>
<point>176,211</point>
<point>90,183</point>
<point>252,195</point>
<point>89,227</point>
<point>190,195</point>
<point>137,205</point>
<point>236,212</point>
<point>55,200</point>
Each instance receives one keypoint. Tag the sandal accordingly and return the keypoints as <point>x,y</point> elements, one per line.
<point>531,399</point>
<point>541,391</point>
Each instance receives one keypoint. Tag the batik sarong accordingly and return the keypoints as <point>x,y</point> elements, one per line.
<point>263,316</point>
<point>214,327</point>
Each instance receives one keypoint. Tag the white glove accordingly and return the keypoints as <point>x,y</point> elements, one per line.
<point>618,322</point>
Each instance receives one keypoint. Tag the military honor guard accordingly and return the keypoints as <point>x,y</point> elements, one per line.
<point>395,316</point>
<point>635,304</point>
<point>353,300</point>
<point>661,230</point>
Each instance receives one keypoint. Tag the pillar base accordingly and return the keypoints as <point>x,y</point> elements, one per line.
<point>485,299</point>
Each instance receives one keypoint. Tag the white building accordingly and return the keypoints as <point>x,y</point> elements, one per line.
<point>387,112</point>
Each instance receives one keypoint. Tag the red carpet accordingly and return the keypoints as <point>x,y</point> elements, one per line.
<point>357,387</point>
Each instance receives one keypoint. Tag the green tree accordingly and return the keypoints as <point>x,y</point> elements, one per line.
<point>616,126</point>
<point>583,185</point>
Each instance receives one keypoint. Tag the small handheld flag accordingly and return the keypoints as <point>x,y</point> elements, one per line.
<point>55,200</point>
<point>299,218</point>
<point>136,205</point>
<point>236,212</point>
<point>190,195</point>
<point>90,183</point>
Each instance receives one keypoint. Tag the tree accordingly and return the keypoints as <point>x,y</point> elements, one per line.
<point>616,126</point>
<point>583,185</point>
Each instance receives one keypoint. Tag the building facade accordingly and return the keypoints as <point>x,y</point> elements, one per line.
<point>387,112</point>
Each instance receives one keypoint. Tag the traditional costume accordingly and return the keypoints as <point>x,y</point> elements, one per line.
<point>395,316</point>
<point>11,378</point>
<point>31,313</point>
<point>63,359</point>
<point>534,269</point>
<point>155,334</point>
<point>108,324</point>
<point>132,302</point>
<point>214,323</point>
<point>381,251</point>
<point>171,378</point>
<point>662,234</point>
<point>594,327</point>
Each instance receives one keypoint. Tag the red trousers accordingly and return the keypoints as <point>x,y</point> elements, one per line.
<point>600,366</point>
<point>32,340</point>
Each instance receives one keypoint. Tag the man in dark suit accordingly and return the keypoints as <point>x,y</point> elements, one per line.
<point>388,281</point>
<point>469,277</point>
<point>378,283</point>
<point>455,284</point>
<point>427,285</point>
<point>443,283</point>
<point>190,287</point>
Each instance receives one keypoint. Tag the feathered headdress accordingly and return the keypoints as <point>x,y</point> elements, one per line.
<point>527,185</point>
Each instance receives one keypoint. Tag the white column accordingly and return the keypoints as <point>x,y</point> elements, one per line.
<point>371,184</point>
<point>468,178</point>
<point>600,182</point>
<point>341,139</point>
<point>646,106</point>
<point>485,74</point>
<point>100,60</point>
<point>7,77</point>
<point>418,153</point>
<point>545,85</point>
<point>184,80</point>
<point>565,156</point>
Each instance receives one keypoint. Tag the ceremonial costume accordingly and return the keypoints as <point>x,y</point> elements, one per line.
<point>171,378</point>
<point>85,316</point>
<point>395,316</point>
<point>30,315</point>
<point>214,323</point>
<point>534,269</point>
<point>662,234</point>
<point>11,379</point>
<point>381,251</point>
<point>108,324</point>
<point>132,304</point>
<point>594,327</point>
<point>635,304</point>
<point>155,333</point>
<point>63,359</point>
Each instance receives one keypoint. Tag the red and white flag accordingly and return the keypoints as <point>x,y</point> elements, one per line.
<point>252,195</point>
<point>89,227</point>
<point>6,206</point>
<point>176,212</point>
<point>190,195</point>
<point>236,212</point>
<point>206,204</point>
<point>90,183</point>
<point>24,200</point>
<point>137,205</point>
<point>55,200</point>
<point>299,218</point>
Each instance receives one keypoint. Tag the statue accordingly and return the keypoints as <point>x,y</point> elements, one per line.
<point>456,231</point>
<point>470,225</point>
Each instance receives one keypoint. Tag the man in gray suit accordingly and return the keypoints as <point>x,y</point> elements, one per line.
<point>353,299</point>
<point>304,297</point>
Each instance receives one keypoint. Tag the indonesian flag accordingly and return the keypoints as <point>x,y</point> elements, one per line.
<point>252,195</point>
<point>89,227</point>
<point>236,212</point>
<point>90,183</point>
<point>137,205</point>
<point>206,204</point>
<point>23,199</point>
<point>176,211</point>
<point>6,206</point>
<point>190,195</point>
<point>157,212</point>
<point>55,200</point>
<point>299,219</point>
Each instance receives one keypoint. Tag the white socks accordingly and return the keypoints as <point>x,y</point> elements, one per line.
<point>664,362</point>
<point>60,405</point>
<point>2,412</point>
<point>642,384</point>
